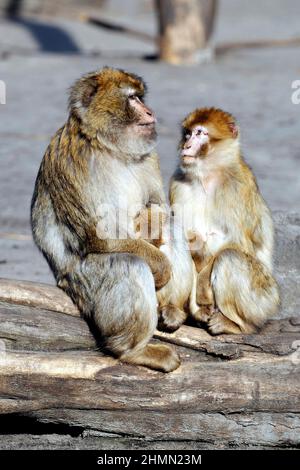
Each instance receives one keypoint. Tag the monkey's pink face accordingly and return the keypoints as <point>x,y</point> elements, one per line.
<point>195,145</point>
<point>137,133</point>
<point>144,123</point>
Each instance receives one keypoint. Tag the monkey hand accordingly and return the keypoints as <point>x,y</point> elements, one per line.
<point>161,270</point>
<point>195,241</point>
<point>149,223</point>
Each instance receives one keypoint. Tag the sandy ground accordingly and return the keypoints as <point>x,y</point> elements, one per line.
<point>40,58</point>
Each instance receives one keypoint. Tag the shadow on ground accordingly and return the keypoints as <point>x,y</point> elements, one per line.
<point>50,38</point>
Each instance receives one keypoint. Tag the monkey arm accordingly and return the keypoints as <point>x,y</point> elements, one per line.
<point>157,261</point>
<point>204,290</point>
<point>149,224</point>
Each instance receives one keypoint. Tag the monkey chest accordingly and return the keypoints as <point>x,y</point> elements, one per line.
<point>118,196</point>
<point>203,220</point>
<point>119,186</point>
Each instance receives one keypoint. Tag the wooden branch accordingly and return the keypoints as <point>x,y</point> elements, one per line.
<point>50,369</point>
<point>207,430</point>
<point>36,295</point>
<point>276,338</point>
<point>117,28</point>
<point>257,44</point>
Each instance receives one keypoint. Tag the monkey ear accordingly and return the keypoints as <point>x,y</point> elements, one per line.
<point>233,129</point>
<point>82,94</point>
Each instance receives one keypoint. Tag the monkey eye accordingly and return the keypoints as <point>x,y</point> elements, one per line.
<point>199,132</point>
<point>132,97</point>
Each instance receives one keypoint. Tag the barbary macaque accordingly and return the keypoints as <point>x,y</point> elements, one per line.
<point>228,224</point>
<point>178,297</point>
<point>99,166</point>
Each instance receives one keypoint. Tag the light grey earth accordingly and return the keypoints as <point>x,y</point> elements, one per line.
<point>254,84</point>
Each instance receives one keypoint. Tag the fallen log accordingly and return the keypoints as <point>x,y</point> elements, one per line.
<point>277,337</point>
<point>229,389</point>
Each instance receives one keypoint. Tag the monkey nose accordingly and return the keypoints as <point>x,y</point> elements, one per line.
<point>151,119</point>
<point>151,116</point>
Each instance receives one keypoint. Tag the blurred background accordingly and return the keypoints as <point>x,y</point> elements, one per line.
<point>239,55</point>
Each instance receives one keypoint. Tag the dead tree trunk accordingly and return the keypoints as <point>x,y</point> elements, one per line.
<point>185,28</point>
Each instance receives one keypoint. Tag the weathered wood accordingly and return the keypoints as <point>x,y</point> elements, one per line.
<point>55,330</point>
<point>250,400</point>
<point>26,328</point>
<point>98,440</point>
<point>36,295</point>
<point>185,27</point>
<point>50,369</point>
<point>208,430</point>
<point>34,380</point>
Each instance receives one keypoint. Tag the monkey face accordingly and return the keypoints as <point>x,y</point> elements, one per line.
<point>206,133</point>
<point>110,106</point>
<point>143,119</point>
<point>138,133</point>
<point>196,144</point>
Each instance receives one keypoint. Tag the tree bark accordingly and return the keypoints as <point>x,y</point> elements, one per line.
<point>242,390</point>
<point>185,28</point>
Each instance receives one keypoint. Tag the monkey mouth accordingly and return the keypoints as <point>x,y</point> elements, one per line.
<point>147,129</point>
<point>147,124</point>
<point>188,159</point>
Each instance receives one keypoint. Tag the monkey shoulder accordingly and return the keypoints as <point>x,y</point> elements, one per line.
<point>50,162</point>
<point>153,158</point>
<point>55,141</point>
<point>179,191</point>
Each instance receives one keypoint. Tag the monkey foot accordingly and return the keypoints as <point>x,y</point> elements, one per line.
<point>170,318</point>
<point>219,324</point>
<point>155,356</point>
<point>204,313</point>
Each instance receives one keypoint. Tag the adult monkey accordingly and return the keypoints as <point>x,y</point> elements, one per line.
<point>98,166</point>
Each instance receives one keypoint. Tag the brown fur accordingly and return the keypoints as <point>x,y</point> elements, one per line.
<point>155,224</point>
<point>236,290</point>
<point>103,154</point>
<point>149,225</point>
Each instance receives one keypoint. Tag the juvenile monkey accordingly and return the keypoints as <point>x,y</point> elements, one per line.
<point>98,172</point>
<point>227,219</point>
<point>178,296</point>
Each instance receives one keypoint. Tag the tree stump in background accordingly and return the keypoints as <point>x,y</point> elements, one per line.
<point>185,28</point>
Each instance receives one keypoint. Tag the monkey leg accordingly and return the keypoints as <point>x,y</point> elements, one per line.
<point>205,294</point>
<point>120,300</point>
<point>245,293</point>
<point>175,297</point>
<point>218,324</point>
<point>204,307</point>
<point>204,313</point>
<point>170,318</point>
